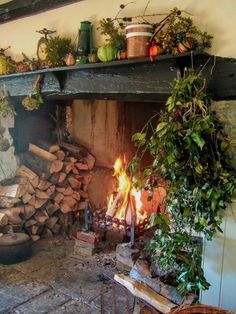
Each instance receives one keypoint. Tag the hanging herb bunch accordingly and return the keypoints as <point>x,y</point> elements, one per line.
<point>5,106</point>
<point>33,102</point>
<point>190,151</point>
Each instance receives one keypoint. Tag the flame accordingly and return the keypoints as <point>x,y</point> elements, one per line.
<point>120,204</point>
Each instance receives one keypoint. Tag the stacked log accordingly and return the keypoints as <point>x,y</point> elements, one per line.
<point>51,183</point>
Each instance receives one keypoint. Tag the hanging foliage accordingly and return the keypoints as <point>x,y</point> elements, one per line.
<point>33,102</point>
<point>6,108</point>
<point>189,150</point>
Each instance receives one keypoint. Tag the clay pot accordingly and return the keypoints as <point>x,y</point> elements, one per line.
<point>138,40</point>
<point>15,248</point>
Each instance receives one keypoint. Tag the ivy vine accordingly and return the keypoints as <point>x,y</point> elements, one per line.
<point>190,151</point>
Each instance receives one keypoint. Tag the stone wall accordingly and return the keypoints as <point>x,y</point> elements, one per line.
<point>226,112</point>
<point>8,159</point>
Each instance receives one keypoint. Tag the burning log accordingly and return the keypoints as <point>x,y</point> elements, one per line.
<point>113,208</point>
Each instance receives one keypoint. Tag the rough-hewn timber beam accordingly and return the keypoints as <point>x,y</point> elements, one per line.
<point>17,8</point>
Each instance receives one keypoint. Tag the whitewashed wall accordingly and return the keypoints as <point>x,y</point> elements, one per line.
<point>219,256</point>
<point>219,264</point>
<point>8,159</point>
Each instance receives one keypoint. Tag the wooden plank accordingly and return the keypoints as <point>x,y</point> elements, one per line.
<point>145,293</point>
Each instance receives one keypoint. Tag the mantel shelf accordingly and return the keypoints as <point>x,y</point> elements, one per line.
<point>134,79</point>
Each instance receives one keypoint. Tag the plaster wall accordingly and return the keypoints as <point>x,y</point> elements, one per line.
<point>215,16</point>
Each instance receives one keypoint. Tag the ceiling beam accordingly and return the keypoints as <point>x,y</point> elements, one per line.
<point>15,9</point>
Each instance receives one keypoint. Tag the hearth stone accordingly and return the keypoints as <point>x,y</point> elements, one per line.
<point>126,256</point>
<point>86,244</point>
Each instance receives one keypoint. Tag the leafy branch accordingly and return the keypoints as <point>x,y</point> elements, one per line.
<point>190,151</point>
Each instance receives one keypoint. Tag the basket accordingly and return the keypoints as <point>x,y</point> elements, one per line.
<point>200,309</point>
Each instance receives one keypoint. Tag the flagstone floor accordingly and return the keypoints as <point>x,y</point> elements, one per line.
<point>54,281</point>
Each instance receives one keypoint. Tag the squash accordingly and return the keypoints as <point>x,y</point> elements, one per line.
<point>107,53</point>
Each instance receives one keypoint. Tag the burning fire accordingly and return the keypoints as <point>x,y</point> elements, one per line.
<point>126,204</point>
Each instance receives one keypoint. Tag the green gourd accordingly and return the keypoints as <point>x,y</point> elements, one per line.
<point>107,53</point>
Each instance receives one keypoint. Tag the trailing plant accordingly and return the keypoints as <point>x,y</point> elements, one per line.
<point>5,106</point>
<point>190,151</point>
<point>57,48</point>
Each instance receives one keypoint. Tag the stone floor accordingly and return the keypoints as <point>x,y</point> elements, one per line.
<point>54,281</point>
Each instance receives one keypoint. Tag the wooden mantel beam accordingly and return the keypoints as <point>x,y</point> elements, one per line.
<point>136,79</point>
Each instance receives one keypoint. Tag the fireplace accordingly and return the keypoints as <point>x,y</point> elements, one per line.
<point>99,107</point>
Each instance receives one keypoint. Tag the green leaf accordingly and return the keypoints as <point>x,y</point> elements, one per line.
<point>147,172</point>
<point>139,137</point>
<point>186,212</point>
<point>170,103</point>
<point>199,169</point>
<point>198,139</point>
<point>153,221</point>
<point>213,204</point>
<point>161,126</point>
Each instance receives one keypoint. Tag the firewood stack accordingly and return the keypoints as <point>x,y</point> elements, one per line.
<point>50,187</point>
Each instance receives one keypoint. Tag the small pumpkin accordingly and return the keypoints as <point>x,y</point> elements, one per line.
<point>121,54</point>
<point>93,57</point>
<point>69,59</point>
<point>185,43</point>
<point>107,53</point>
<point>155,50</point>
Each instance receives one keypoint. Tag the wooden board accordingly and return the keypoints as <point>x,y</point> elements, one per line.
<point>145,293</point>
